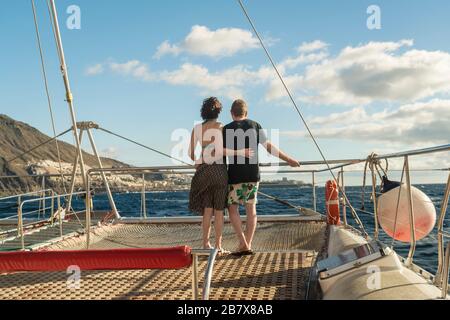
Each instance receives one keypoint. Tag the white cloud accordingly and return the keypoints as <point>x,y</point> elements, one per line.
<point>202,41</point>
<point>377,71</point>
<point>434,161</point>
<point>229,82</point>
<point>361,75</point>
<point>416,124</point>
<point>95,70</point>
<point>167,48</point>
<point>134,68</point>
<point>110,152</point>
<point>312,46</point>
<point>290,63</point>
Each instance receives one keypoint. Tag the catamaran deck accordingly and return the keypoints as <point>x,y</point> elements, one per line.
<point>285,253</point>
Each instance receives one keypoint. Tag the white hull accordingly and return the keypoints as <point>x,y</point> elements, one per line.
<point>386,278</point>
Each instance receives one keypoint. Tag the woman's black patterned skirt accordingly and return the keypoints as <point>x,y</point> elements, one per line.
<point>209,188</point>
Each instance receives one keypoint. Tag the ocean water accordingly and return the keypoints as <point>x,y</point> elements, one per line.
<point>171,204</point>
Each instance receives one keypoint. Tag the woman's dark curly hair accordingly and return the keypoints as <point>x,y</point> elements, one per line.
<point>211,109</point>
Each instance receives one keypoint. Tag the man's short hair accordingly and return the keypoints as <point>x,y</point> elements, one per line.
<point>239,108</point>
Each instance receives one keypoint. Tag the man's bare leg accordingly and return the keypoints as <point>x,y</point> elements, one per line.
<point>206,227</point>
<point>236,222</point>
<point>250,226</point>
<point>218,228</point>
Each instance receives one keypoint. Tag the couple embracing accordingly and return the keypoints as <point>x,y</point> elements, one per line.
<point>227,174</point>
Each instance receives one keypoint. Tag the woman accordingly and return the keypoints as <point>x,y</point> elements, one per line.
<point>209,188</point>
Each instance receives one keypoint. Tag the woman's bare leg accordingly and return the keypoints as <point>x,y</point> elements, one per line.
<point>206,227</point>
<point>218,228</point>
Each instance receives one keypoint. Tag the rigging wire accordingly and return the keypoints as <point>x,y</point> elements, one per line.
<point>47,91</point>
<point>144,146</point>
<point>52,23</point>
<point>38,146</point>
<point>281,201</point>
<point>58,50</point>
<point>291,97</point>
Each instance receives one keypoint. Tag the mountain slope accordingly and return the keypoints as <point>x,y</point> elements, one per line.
<point>17,137</point>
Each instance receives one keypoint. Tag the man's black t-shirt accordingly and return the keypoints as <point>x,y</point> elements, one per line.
<point>240,135</point>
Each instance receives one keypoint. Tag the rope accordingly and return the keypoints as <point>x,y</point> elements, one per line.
<point>38,146</point>
<point>371,159</point>
<point>144,146</point>
<point>398,205</point>
<point>44,74</point>
<point>355,215</point>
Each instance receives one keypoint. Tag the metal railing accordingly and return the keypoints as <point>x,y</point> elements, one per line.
<point>445,275</point>
<point>24,194</point>
<point>443,257</point>
<point>338,165</point>
<point>42,193</point>
<point>20,217</point>
<point>212,254</point>
<point>19,198</point>
<point>141,171</point>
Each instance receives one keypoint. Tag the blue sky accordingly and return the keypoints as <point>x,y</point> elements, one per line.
<point>387,91</point>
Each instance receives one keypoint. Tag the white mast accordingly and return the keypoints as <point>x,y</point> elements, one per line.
<point>69,96</point>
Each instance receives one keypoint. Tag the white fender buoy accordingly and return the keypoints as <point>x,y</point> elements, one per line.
<point>423,209</point>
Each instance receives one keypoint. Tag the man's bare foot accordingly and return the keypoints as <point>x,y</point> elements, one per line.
<point>242,253</point>
<point>243,250</point>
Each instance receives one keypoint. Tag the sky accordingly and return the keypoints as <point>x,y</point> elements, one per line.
<point>142,68</point>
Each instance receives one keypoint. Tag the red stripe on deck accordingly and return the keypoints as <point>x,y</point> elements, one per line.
<point>116,259</point>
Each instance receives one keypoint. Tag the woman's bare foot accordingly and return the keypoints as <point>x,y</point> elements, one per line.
<point>207,246</point>
<point>222,251</point>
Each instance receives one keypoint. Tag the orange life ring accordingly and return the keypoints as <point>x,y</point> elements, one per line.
<point>332,203</point>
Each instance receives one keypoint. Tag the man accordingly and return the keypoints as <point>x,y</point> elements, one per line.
<point>244,174</point>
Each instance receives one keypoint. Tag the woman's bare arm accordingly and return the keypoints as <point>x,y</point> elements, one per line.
<point>248,153</point>
<point>192,146</point>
